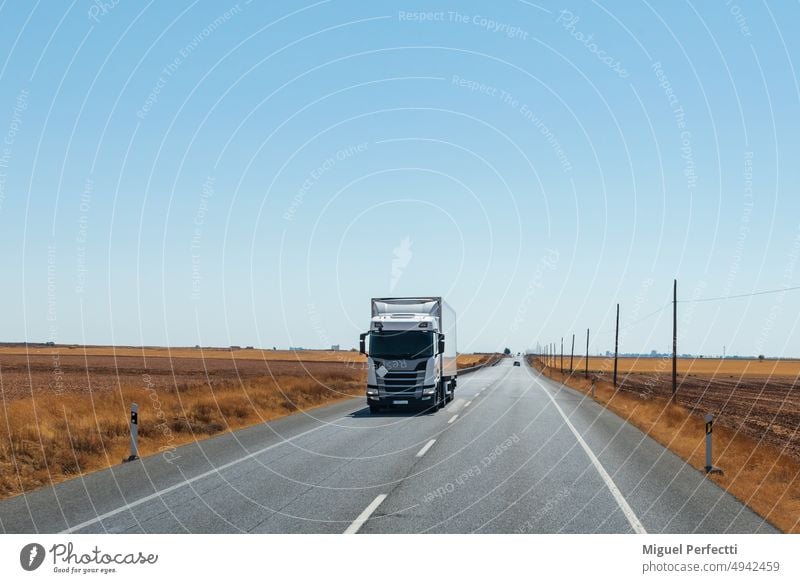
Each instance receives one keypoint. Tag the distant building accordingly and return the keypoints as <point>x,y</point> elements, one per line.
<point>335,347</point>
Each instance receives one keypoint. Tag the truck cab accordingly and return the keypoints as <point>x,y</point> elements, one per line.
<point>411,360</point>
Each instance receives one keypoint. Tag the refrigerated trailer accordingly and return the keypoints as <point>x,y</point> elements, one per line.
<point>411,353</point>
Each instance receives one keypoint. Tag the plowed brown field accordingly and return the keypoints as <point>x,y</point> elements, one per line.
<point>760,398</point>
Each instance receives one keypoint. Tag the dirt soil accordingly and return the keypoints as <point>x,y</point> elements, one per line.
<point>765,408</point>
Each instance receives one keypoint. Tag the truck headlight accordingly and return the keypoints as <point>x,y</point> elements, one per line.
<point>372,392</point>
<point>429,391</point>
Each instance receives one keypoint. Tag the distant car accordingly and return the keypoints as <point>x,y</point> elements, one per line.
<point>516,363</point>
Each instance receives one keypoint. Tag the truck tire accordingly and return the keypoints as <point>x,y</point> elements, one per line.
<point>442,397</point>
<point>373,409</point>
<point>435,403</point>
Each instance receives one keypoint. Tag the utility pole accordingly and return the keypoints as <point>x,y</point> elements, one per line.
<point>586,364</point>
<point>674,338</point>
<point>616,348</point>
<point>572,354</point>
<point>562,355</point>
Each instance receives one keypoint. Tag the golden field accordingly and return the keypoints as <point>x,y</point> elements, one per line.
<point>695,366</point>
<point>233,354</point>
<point>468,360</point>
<point>185,352</point>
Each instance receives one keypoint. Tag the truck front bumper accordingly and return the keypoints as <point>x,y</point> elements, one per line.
<point>376,396</point>
<point>399,401</point>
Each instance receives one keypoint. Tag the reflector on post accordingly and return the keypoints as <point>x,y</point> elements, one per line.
<point>134,434</point>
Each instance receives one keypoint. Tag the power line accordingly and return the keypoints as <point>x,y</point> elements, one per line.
<point>640,320</point>
<point>758,293</point>
<point>646,316</point>
<point>691,301</point>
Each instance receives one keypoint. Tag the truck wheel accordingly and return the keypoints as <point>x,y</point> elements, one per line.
<point>434,406</point>
<point>442,397</point>
<point>373,409</point>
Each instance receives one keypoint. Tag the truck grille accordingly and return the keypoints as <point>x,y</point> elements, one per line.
<point>402,381</point>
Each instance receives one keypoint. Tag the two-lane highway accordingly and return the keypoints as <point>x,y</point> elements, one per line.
<point>514,452</point>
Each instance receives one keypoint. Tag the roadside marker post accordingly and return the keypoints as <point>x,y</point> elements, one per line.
<point>134,433</point>
<point>710,469</point>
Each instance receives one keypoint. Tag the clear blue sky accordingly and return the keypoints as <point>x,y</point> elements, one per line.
<point>252,173</point>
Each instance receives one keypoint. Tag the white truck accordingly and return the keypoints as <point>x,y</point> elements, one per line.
<point>412,353</point>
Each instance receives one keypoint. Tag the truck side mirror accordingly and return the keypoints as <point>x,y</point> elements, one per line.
<point>362,343</point>
<point>441,343</point>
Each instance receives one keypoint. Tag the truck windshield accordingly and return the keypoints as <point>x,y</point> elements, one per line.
<point>406,344</point>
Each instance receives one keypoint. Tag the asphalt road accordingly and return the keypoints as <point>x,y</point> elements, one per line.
<point>514,453</point>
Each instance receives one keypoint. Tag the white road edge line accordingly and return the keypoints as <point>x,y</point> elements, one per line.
<point>425,448</point>
<point>364,516</point>
<point>174,487</point>
<point>637,526</point>
<point>467,403</point>
<point>453,418</point>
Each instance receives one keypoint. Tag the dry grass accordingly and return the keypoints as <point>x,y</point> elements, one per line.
<point>711,367</point>
<point>761,475</point>
<point>468,360</point>
<point>55,437</point>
